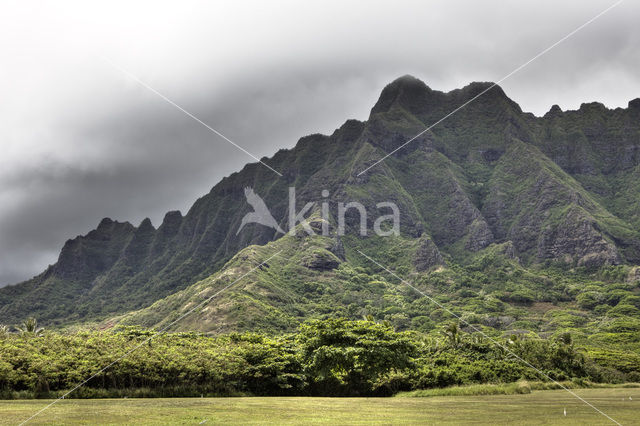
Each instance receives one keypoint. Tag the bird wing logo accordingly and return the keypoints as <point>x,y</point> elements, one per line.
<point>260,213</point>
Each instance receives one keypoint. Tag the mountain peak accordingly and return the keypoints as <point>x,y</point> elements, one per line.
<point>488,94</point>
<point>105,222</point>
<point>593,106</point>
<point>409,81</point>
<point>479,86</point>
<point>553,112</point>
<point>172,216</point>
<point>146,225</point>
<point>415,96</point>
<point>486,89</point>
<point>405,90</point>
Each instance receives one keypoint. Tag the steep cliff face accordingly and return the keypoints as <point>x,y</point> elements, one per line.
<point>84,258</point>
<point>427,255</point>
<point>562,187</point>
<point>547,214</point>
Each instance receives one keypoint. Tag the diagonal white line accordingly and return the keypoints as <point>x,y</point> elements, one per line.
<point>147,86</point>
<point>525,362</point>
<point>492,86</point>
<point>162,330</point>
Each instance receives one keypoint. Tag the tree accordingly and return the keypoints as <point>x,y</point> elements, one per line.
<point>565,338</point>
<point>453,334</point>
<point>30,327</point>
<point>342,357</point>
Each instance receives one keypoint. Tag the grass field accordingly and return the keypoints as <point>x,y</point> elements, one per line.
<point>539,407</point>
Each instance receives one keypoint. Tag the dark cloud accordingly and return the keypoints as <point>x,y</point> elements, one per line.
<point>81,141</point>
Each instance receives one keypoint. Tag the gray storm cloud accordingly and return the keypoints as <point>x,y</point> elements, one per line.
<point>81,140</point>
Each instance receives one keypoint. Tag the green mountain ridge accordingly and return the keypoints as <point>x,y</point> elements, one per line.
<point>530,194</point>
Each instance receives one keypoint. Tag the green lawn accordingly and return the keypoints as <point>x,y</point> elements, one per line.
<point>540,407</point>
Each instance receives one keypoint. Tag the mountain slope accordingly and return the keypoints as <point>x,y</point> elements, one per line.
<point>544,188</point>
<point>277,286</point>
<point>548,215</point>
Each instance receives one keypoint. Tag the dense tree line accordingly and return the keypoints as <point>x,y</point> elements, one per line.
<point>328,357</point>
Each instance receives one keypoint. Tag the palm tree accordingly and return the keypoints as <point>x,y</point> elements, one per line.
<point>452,333</point>
<point>30,327</point>
<point>478,339</point>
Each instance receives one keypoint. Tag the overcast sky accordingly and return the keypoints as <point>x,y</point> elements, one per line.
<point>81,140</point>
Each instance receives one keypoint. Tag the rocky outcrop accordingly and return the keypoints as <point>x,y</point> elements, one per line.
<point>167,231</point>
<point>427,255</point>
<point>85,257</point>
<point>480,235</point>
<point>321,260</point>
<point>509,250</point>
<point>576,240</point>
<point>634,275</point>
<point>337,248</point>
<point>547,214</point>
<point>138,249</point>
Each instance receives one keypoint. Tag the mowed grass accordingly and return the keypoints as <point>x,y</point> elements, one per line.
<point>539,407</point>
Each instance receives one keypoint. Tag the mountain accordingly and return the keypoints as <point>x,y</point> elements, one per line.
<point>486,194</point>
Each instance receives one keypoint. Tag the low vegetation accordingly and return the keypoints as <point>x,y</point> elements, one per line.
<point>517,388</point>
